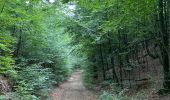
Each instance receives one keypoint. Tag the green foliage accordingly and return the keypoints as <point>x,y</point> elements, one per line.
<point>113,96</point>
<point>31,81</point>
<point>40,49</point>
<point>45,41</point>
<point>2,97</point>
<point>110,31</point>
<point>106,96</point>
<point>6,60</point>
<point>88,76</point>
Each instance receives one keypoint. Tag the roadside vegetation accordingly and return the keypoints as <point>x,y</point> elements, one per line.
<point>122,46</point>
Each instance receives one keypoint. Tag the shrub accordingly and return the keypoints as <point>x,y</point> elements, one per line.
<point>106,96</point>
<point>5,52</point>
<point>113,96</point>
<point>31,81</point>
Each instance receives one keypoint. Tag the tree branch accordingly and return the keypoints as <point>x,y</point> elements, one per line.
<point>3,7</point>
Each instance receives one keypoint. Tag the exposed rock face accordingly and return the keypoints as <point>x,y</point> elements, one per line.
<point>4,85</point>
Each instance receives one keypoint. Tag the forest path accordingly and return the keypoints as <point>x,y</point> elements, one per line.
<point>73,89</point>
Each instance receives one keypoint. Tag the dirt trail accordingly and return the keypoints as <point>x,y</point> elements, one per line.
<point>73,89</point>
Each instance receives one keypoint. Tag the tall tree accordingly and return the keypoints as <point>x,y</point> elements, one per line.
<point>163,7</point>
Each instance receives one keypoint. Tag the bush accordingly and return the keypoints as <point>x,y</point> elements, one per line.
<point>60,70</point>
<point>5,52</point>
<point>113,96</point>
<point>106,96</point>
<point>88,76</point>
<point>30,82</point>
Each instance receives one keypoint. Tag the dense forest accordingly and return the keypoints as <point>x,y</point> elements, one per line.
<point>122,46</point>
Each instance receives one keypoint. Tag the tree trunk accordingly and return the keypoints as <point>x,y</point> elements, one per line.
<point>115,78</point>
<point>102,62</point>
<point>164,47</point>
<point>120,60</point>
<point>18,47</point>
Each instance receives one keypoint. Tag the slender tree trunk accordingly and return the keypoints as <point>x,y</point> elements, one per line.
<point>164,47</point>
<point>120,61</point>
<point>18,47</point>
<point>115,78</point>
<point>102,62</point>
